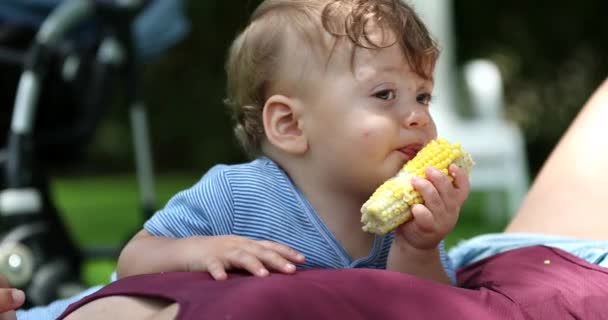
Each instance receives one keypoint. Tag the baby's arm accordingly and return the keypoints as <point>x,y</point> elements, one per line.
<point>415,248</point>
<point>192,233</point>
<point>146,253</point>
<point>424,263</point>
<point>422,203</point>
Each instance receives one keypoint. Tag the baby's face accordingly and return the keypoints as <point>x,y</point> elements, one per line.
<point>367,118</point>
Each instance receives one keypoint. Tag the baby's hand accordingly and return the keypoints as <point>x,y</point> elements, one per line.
<point>220,253</point>
<point>434,219</point>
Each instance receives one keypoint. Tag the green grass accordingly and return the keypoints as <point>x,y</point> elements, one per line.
<point>104,211</point>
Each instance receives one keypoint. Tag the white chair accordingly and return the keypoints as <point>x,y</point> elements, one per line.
<point>496,144</point>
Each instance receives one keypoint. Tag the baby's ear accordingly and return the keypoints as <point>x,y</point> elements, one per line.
<point>282,124</point>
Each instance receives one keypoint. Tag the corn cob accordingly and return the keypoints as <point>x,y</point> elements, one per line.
<point>390,204</point>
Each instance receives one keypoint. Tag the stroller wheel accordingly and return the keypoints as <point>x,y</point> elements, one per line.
<point>16,263</point>
<point>49,280</point>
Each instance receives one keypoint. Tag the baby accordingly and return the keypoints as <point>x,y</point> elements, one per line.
<point>330,99</point>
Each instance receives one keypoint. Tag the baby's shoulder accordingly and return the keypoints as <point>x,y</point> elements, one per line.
<point>259,173</point>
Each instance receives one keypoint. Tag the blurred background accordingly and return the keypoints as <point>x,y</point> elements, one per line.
<point>551,55</point>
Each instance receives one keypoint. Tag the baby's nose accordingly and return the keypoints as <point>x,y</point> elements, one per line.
<point>416,118</point>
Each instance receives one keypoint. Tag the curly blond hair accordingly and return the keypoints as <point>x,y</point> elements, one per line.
<point>255,55</point>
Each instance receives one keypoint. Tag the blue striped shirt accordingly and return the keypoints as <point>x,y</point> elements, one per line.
<point>259,201</point>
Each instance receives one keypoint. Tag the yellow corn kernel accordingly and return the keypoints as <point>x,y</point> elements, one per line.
<point>389,206</point>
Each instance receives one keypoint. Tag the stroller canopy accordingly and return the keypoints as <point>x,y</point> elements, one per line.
<point>160,25</point>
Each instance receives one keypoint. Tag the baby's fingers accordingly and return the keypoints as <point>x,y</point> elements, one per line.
<point>216,269</point>
<point>276,262</point>
<point>423,219</point>
<point>430,194</point>
<point>440,181</point>
<point>461,181</point>
<point>245,260</point>
<point>285,251</point>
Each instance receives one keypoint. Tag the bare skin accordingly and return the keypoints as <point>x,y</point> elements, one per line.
<point>205,254</point>
<point>568,196</point>
<point>10,299</point>
<point>125,308</point>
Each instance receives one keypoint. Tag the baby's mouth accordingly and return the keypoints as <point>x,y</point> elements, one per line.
<point>411,150</point>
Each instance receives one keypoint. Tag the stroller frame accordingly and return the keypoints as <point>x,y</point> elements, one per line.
<point>36,252</point>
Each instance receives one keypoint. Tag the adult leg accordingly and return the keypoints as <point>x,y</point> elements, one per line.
<point>168,313</point>
<point>125,307</point>
<point>570,195</point>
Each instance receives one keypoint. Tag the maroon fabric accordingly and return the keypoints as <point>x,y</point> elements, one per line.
<point>529,283</point>
<point>544,282</point>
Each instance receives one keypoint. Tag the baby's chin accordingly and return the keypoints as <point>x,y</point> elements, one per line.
<point>384,171</point>
<point>397,164</point>
<point>387,174</point>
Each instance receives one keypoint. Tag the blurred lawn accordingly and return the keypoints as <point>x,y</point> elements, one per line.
<point>104,211</point>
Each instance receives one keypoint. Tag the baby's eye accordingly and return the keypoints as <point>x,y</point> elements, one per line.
<point>424,98</point>
<point>387,94</point>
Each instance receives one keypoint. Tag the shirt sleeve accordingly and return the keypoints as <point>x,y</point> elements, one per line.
<point>448,266</point>
<point>206,208</point>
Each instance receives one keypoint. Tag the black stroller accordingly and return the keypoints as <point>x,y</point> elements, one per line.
<point>65,71</point>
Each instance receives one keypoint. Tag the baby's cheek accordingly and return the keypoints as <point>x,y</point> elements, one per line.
<point>375,134</point>
<point>369,137</point>
<point>367,134</point>
<point>372,143</point>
